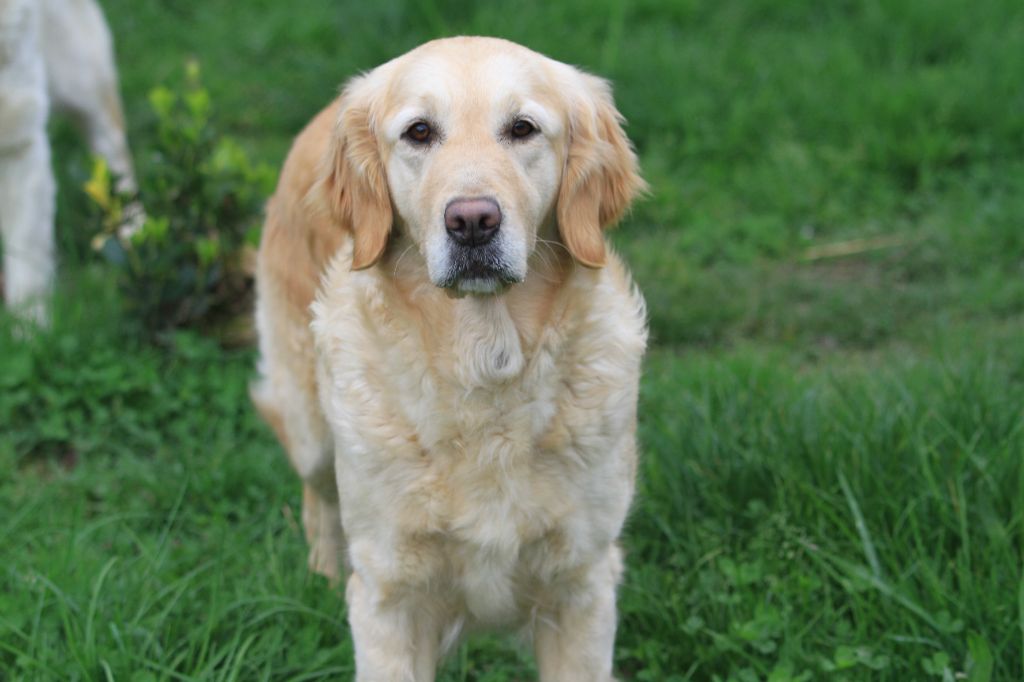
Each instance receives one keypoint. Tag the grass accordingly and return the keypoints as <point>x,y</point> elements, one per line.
<point>832,482</point>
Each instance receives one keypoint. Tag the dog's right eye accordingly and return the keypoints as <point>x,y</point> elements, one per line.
<point>419,133</point>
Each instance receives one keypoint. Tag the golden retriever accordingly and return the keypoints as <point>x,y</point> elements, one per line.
<point>450,353</point>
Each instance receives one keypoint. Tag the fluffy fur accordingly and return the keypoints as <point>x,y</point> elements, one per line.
<point>51,52</point>
<point>466,437</point>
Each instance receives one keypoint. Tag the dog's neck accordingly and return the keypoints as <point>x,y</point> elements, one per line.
<point>487,349</point>
<point>488,340</point>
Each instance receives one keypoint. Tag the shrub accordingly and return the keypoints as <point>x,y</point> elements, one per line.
<point>183,261</point>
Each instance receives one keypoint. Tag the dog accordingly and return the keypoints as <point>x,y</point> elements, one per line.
<point>450,353</point>
<point>59,53</point>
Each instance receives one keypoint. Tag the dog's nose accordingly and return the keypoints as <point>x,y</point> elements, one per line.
<point>472,222</point>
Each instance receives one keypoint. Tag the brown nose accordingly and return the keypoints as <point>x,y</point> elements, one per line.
<point>472,222</point>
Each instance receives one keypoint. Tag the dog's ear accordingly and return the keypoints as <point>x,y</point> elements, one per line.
<point>601,178</point>
<point>353,180</point>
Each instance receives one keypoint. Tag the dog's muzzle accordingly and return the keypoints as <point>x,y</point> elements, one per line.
<point>477,263</point>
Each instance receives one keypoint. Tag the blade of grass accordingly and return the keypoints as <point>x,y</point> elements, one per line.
<point>862,528</point>
<point>90,616</point>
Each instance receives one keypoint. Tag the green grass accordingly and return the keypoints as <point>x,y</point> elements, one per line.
<point>832,482</point>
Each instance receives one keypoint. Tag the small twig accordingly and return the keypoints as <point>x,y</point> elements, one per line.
<point>853,247</point>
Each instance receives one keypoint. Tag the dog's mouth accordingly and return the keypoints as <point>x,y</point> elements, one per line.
<point>479,271</point>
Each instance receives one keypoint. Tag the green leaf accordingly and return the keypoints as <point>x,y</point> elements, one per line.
<point>162,100</point>
<point>207,249</point>
<point>844,657</point>
<point>198,103</point>
<point>979,658</point>
<point>937,664</point>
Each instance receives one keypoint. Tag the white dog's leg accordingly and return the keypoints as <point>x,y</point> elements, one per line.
<point>82,79</point>
<point>394,642</point>
<point>27,193</point>
<point>574,641</point>
<point>27,189</point>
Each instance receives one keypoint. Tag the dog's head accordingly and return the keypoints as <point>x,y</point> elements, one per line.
<point>472,147</point>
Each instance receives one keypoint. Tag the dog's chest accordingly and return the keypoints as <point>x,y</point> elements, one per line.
<point>487,480</point>
<point>507,511</point>
<point>473,467</point>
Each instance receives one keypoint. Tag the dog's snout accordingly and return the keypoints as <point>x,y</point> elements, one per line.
<point>472,222</point>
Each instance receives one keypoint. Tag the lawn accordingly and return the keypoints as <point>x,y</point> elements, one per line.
<point>832,415</point>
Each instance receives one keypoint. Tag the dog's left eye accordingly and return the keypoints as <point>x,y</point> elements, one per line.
<point>419,132</point>
<point>521,129</point>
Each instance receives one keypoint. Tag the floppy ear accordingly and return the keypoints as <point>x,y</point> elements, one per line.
<point>601,178</point>
<point>354,182</point>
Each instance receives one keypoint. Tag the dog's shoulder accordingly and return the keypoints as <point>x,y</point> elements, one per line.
<point>299,236</point>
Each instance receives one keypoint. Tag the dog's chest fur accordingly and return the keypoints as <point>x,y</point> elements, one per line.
<point>479,461</point>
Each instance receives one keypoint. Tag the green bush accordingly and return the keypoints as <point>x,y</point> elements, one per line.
<point>182,263</point>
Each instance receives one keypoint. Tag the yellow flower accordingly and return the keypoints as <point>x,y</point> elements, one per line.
<point>98,185</point>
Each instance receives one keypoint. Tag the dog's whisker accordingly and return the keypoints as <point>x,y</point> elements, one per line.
<point>398,261</point>
<point>550,243</point>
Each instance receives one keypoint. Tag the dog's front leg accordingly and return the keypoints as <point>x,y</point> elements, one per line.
<point>575,637</point>
<point>395,640</point>
<point>27,193</point>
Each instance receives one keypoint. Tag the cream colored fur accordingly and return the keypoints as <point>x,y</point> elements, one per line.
<point>52,52</point>
<point>473,456</point>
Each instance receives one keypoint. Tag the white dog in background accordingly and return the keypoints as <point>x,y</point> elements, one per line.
<point>59,53</point>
